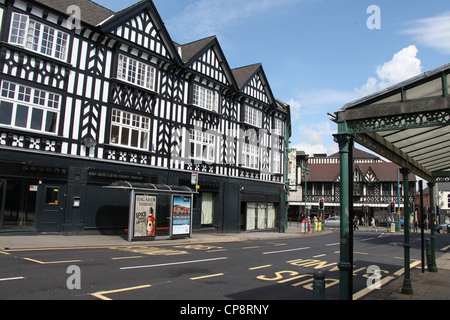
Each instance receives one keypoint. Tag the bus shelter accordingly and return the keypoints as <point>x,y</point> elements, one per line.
<point>158,211</point>
<point>407,124</point>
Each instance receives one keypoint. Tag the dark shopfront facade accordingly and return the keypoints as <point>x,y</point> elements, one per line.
<point>118,100</point>
<point>61,195</point>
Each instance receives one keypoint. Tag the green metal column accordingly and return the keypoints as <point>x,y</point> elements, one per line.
<point>433,266</point>
<point>344,141</point>
<point>407,287</point>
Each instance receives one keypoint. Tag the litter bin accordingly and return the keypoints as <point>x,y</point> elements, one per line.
<point>392,227</point>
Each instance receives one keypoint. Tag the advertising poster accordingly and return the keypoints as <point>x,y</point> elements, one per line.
<point>144,216</point>
<point>181,215</point>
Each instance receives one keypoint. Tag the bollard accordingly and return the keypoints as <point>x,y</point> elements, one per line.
<point>428,250</point>
<point>319,285</point>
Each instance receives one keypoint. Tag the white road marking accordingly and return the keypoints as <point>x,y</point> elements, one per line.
<point>288,250</point>
<point>172,263</point>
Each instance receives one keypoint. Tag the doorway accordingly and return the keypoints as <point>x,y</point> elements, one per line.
<point>50,208</point>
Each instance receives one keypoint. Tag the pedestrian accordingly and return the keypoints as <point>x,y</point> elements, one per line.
<point>373,225</point>
<point>355,223</point>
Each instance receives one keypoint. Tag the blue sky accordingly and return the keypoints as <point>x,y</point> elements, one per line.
<point>317,54</point>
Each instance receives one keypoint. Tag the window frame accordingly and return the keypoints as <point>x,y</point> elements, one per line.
<point>205,98</point>
<point>124,126</point>
<point>202,146</point>
<point>253,116</point>
<point>251,155</point>
<point>32,101</point>
<point>38,37</point>
<point>136,72</point>
<point>276,163</point>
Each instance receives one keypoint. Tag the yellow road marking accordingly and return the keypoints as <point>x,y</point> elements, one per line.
<point>101,294</point>
<point>383,281</point>
<point>51,262</point>
<point>209,276</point>
<point>260,267</point>
<point>123,258</point>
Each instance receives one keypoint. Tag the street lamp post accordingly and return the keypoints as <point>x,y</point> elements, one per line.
<point>305,173</point>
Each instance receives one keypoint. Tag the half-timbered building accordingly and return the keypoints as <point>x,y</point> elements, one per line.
<point>375,187</point>
<point>89,97</point>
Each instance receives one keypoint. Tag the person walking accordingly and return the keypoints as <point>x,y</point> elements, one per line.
<point>355,224</point>
<point>373,225</point>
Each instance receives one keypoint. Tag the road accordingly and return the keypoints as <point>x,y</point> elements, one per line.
<point>252,270</point>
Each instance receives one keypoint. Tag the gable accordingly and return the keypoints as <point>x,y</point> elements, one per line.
<point>205,57</point>
<point>141,31</point>
<point>255,89</point>
<point>253,82</point>
<point>141,27</point>
<point>208,64</point>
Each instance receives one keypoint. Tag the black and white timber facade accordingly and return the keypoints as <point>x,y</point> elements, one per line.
<point>89,97</point>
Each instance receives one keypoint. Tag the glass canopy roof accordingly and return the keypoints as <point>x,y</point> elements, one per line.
<point>407,123</point>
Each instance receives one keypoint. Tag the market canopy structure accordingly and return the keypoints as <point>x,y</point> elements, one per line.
<point>407,124</point>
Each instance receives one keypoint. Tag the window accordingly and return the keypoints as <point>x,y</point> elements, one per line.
<point>129,130</point>
<point>253,116</point>
<point>205,98</point>
<point>318,188</point>
<point>328,187</point>
<point>136,72</point>
<point>251,156</point>
<point>276,162</point>
<point>371,188</point>
<point>386,188</point>
<point>51,196</point>
<point>202,145</point>
<point>278,127</point>
<point>448,201</point>
<point>29,108</point>
<point>38,37</point>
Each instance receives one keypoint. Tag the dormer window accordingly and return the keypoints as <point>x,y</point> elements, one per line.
<point>253,116</point>
<point>136,72</point>
<point>205,98</point>
<point>38,37</point>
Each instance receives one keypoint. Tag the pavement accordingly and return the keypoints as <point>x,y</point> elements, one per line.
<point>426,286</point>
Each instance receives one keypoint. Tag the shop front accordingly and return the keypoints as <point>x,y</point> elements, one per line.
<point>32,197</point>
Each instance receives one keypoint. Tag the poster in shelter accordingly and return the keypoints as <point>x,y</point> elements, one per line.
<point>144,216</point>
<point>181,215</point>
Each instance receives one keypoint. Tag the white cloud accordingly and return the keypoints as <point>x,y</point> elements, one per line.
<point>310,148</point>
<point>432,32</point>
<point>315,137</point>
<point>403,65</point>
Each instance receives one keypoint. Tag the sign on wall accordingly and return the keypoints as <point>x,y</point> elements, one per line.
<point>181,215</point>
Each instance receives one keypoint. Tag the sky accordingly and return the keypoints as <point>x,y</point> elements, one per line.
<point>318,55</point>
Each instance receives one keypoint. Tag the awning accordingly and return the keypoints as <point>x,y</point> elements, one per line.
<point>407,124</point>
<point>150,187</point>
